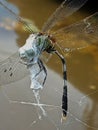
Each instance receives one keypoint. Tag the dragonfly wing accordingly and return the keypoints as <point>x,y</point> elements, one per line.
<point>78,35</point>
<point>11,69</point>
<point>67,8</point>
<point>28,25</point>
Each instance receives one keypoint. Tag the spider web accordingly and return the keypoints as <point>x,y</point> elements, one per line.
<point>25,109</point>
<point>45,105</point>
<point>42,109</point>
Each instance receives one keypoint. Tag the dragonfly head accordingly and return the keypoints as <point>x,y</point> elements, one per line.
<point>28,51</point>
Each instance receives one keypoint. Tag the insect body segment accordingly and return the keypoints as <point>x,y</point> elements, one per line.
<point>30,55</point>
<point>86,31</point>
<point>33,48</point>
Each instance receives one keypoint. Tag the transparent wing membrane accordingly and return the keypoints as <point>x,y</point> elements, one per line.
<point>29,107</point>
<point>28,25</point>
<point>67,8</point>
<point>78,35</point>
<point>12,70</point>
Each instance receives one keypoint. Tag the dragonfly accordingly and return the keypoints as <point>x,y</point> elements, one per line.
<point>70,38</point>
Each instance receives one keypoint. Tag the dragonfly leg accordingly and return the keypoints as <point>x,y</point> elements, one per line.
<point>64,97</point>
<point>42,68</point>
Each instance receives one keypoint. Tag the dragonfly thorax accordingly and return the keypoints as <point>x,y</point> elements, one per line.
<point>33,47</point>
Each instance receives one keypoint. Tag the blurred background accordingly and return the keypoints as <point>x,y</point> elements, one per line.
<point>82,73</point>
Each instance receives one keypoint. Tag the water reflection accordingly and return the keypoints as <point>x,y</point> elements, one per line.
<point>82,71</point>
<point>7,30</point>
